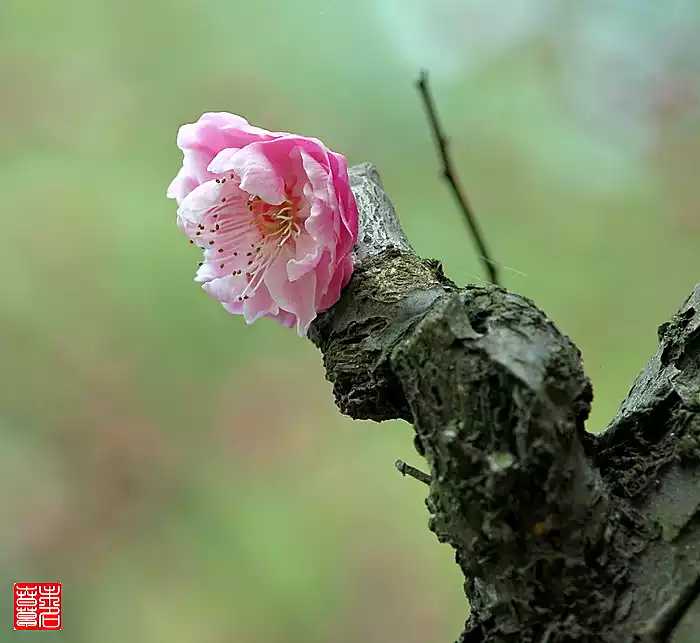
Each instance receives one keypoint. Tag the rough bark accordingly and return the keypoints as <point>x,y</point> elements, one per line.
<point>561,535</point>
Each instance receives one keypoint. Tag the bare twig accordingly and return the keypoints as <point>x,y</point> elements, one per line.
<point>451,177</point>
<point>407,470</point>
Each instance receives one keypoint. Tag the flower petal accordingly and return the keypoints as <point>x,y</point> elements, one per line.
<point>297,297</point>
<point>257,174</point>
<point>199,201</point>
<point>307,254</point>
<point>258,305</point>
<point>339,279</point>
<point>218,130</point>
<point>224,289</point>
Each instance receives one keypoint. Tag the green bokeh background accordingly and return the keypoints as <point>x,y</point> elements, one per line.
<point>187,477</point>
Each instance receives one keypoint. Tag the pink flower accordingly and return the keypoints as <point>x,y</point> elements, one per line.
<point>273,213</point>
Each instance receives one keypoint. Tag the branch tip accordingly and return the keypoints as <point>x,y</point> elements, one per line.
<point>407,470</point>
<point>451,177</point>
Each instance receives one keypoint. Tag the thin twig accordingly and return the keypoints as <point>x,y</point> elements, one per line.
<point>407,470</point>
<point>451,177</point>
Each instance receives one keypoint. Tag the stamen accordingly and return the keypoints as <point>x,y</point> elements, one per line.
<point>270,227</point>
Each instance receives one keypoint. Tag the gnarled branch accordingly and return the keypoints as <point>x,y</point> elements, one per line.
<point>561,536</point>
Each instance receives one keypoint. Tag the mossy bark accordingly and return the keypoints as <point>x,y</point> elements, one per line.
<point>561,535</point>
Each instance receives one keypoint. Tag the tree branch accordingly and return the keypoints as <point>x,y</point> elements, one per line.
<point>561,536</point>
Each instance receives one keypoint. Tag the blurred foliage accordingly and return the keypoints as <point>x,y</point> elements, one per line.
<point>188,478</point>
